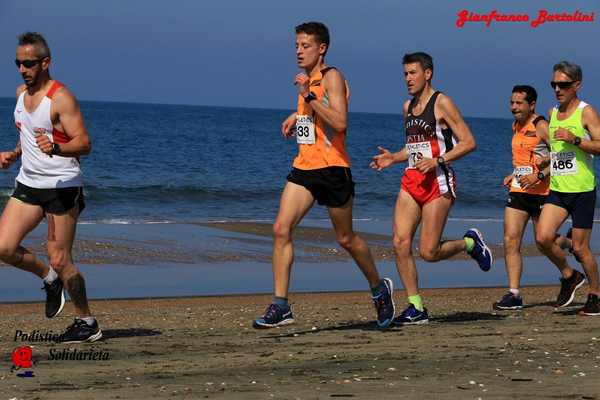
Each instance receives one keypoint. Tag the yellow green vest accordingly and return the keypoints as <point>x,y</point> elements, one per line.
<point>571,169</point>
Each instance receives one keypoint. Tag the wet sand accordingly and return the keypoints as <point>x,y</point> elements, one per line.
<point>204,347</point>
<point>228,242</point>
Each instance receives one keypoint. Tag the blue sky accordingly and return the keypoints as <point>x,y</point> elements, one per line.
<point>240,53</point>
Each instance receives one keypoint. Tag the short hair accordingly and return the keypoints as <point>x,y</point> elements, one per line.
<point>570,69</point>
<point>530,93</point>
<point>317,29</point>
<point>424,59</point>
<point>37,41</point>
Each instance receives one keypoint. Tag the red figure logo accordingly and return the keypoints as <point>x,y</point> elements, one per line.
<point>21,357</point>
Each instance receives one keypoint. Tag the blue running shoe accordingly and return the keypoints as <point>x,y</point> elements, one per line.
<point>412,316</point>
<point>384,303</point>
<point>274,316</point>
<point>480,253</point>
<point>509,302</point>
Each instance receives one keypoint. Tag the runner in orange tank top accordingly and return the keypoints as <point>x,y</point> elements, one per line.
<point>320,172</point>
<point>528,185</point>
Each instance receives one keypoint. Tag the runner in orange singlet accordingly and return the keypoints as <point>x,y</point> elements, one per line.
<point>320,172</point>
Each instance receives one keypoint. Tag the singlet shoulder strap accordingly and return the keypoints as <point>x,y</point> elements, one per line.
<point>431,103</point>
<point>538,119</point>
<point>55,86</point>
<point>325,70</point>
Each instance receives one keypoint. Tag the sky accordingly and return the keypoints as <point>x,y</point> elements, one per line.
<point>241,53</point>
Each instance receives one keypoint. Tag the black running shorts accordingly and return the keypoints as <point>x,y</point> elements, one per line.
<point>530,203</point>
<point>579,205</point>
<point>52,201</point>
<point>331,186</point>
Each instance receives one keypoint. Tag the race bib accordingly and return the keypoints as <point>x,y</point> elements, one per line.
<point>305,129</point>
<point>563,163</point>
<point>518,173</point>
<point>416,151</point>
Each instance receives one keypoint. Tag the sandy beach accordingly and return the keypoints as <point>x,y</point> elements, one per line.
<point>204,347</point>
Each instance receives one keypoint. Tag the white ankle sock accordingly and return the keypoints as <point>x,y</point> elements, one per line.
<point>51,277</point>
<point>515,292</point>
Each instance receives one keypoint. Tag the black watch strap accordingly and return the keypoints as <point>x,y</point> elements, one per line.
<point>577,141</point>
<point>541,176</point>
<point>441,161</point>
<point>310,97</point>
<point>55,148</point>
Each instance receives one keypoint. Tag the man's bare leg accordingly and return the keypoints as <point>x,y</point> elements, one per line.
<point>407,215</point>
<point>295,202</point>
<point>550,220</point>
<point>434,217</point>
<point>341,218</point>
<point>61,234</point>
<point>381,290</point>
<point>581,248</point>
<point>18,219</point>
<point>515,222</point>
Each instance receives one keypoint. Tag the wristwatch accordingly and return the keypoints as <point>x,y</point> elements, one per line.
<point>541,176</point>
<point>55,148</point>
<point>310,97</point>
<point>577,141</point>
<point>441,161</point>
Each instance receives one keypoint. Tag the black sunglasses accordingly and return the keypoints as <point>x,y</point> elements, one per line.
<point>28,63</point>
<point>562,85</point>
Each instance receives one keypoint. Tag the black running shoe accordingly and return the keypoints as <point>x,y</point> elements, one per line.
<point>80,332</point>
<point>568,288</point>
<point>509,302</point>
<point>592,306</point>
<point>55,298</point>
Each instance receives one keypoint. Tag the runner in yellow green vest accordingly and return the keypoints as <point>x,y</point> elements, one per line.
<point>574,132</point>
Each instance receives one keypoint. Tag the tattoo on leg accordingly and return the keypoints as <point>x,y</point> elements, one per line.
<point>76,288</point>
<point>51,228</point>
<point>19,256</point>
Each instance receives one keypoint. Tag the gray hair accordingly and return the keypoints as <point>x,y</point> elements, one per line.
<point>570,69</point>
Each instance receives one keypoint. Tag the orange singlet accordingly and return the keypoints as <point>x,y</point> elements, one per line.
<point>526,146</point>
<point>329,149</point>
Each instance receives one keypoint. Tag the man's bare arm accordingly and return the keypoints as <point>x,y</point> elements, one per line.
<point>336,114</point>
<point>451,116</point>
<point>70,120</point>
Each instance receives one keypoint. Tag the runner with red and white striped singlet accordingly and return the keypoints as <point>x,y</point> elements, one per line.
<point>436,135</point>
<point>49,184</point>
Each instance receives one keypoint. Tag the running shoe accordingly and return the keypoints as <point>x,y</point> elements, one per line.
<point>79,332</point>
<point>274,316</point>
<point>55,298</point>
<point>592,306</point>
<point>481,252</point>
<point>568,288</point>
<point>509,302</point>
<point>384,303</point>
<point>569,236</point>
<point>412,316</point>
